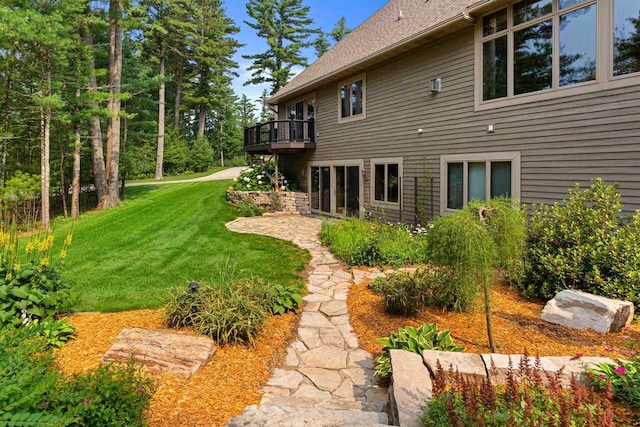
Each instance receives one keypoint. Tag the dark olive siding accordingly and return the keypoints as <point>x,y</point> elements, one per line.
<point>561,141</point>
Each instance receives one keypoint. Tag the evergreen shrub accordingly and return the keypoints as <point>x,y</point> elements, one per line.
<point>584,243</point>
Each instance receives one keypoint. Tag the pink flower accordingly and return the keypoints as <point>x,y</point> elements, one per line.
<point>620,370</point>
<point>609,349</point>
<point>153,372</point>
<point>602,377</point>
<point>576,356</point>
<point>140,389</point>
<point>86,401</point>
<point>632,352</point>
<point>624,337</point>
<point>626,328</point>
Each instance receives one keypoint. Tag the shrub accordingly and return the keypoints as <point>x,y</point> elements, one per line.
<point>110,395</point>
<point>623,378</point>
<point>362,242</point>
<point>228,312</point>
<point>260,177</point>
<point>531,397</point>
<point>416,340</point>
<point>249,208</point>
<point>584,244</point>
<point>463,243</point>
<point>33,391</point>
<point>407,292</point>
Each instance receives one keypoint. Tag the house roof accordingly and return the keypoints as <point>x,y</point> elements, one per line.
<point>397,27</point>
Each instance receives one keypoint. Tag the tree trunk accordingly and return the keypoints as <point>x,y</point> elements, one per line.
<point>75,184</point>
<point>95,131</point>
<point>111,198</point>
<point>45,127</point>
<point>487,313</point>
<point>176,112</point>
<point>202,116</point>
<point>63,184</point>
<point>160,152</point>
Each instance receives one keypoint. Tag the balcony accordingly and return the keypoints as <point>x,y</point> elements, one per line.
<point>280,136</point>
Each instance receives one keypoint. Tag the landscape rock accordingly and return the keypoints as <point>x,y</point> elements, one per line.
<point>410,387</point>
<point>581,310</point>
<point>163,350</point>
<point>469,365</point>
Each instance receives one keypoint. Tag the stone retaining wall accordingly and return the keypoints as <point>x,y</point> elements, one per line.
<point>289,201</point>
<point>411,385</point>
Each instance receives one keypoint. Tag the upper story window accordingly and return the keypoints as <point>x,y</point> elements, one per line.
<point>352,99</point>
<point>626,37</point>
<point>537,45</point>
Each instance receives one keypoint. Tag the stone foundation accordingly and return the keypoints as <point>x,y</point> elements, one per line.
<point>289,202</point>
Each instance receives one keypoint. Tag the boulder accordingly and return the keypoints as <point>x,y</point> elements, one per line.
<point>410,389</point>
<point>581,310</point>
<point>469,365</point>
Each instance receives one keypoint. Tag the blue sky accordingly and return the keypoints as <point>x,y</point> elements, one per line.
<point>325,14</point>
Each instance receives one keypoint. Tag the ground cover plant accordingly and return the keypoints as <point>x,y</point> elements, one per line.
<point>364,242</point>
<point>34,392</point>
<point>530,397</point>
<point>162,236</point>
<point>584,243</point>
<point>624,377</point>
<point>415,340</point>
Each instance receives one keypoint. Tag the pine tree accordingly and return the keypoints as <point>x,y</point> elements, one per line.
<point>340,30</point>
<point>321,44</point>
<point>285,25</point>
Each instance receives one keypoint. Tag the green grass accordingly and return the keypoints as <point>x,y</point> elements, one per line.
<point>162,237</point>
<point>180,177</point>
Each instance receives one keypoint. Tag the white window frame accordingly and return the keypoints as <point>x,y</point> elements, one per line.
<point>512,156</point>
<point>604,59</point>
<point>372,182</point>
<point>351,117</point>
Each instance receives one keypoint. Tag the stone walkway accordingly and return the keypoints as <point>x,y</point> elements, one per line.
<point>327,379</point>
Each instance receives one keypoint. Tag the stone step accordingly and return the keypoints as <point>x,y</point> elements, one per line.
<point>313,402</point>
<point>288,416</point>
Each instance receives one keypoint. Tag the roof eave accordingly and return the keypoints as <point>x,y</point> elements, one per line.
<point>395,49</point>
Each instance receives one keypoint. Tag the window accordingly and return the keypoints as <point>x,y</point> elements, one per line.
<point>537,45</point>
<point>336,187</point>
<point>478,177</point>
<point>386,182</point>
<point>626,37</point>
<point>352,95</point>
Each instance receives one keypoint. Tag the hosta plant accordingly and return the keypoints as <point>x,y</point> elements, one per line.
<point>416,340</point>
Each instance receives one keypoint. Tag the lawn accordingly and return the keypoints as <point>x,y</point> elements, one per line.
<point>162,237</point>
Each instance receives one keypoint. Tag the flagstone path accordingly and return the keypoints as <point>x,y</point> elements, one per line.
<point>326,379</point>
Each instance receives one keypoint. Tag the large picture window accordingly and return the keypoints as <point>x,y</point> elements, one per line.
<point>537,45</point>
<point>626,37</point>
<point>478,177</point>
<point>352,95</point>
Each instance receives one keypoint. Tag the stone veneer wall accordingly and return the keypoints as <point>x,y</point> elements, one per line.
<point>290,202</point>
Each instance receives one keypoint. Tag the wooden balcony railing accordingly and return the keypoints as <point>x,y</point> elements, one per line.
<point>280,135</point>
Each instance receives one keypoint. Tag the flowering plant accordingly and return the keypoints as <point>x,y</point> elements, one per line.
<point>261,177</point>
<point>624,376</point>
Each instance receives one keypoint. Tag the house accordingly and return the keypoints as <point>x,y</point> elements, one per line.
<point>430,104</point>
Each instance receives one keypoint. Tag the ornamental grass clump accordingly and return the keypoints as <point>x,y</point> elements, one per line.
<point>531,397</point>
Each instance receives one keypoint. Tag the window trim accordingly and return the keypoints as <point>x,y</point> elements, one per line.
<point>372,182</point>
<point>512,156</point>
<point>605,79</point>
<point>361,116</point>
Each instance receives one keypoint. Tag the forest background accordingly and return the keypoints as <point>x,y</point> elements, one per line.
<point>93,93</point>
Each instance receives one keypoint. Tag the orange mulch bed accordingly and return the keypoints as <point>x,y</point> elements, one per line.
<point>229,382</point>
<point>232,379</point>
<point>517,328</point>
